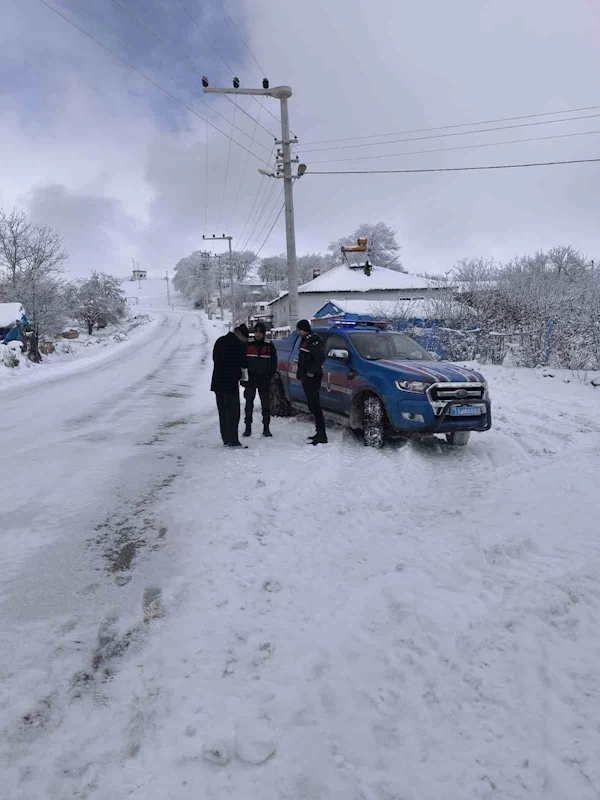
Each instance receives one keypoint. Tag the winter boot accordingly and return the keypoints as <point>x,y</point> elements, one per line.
<point>248,431</point>
<point>267,431</point>
<point>320,438</point>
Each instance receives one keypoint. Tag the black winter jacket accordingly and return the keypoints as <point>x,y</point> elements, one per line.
<point>311,357</point>
<point>262,361</point>
<point>229,356</point>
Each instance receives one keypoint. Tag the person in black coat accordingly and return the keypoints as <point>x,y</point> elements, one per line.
<point>230,367</point>
<point>262,365</point>
<point>310,374</point>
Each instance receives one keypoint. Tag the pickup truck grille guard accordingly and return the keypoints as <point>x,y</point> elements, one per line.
<point>442,396</point>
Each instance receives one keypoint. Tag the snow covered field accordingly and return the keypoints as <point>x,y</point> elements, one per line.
<point>289,622</point>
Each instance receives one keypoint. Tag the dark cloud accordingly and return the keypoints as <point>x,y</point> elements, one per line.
<point>94,228</point>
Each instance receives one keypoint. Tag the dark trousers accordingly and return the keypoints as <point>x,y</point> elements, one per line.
<point>312,387</point>
<point>228,404</point>
<point>265,401</point>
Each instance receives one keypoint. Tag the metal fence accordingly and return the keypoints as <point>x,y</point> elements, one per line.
<point>530,347</point>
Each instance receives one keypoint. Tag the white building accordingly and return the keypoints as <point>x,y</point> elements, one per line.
<point>351,282</point>
<point>140,275</point>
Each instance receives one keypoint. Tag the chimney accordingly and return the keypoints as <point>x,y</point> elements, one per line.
<point>316,272</point>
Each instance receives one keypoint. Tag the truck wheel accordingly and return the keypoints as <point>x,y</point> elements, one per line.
<point>373,422</point>
<point>458,438</point>
<point>280,405</point>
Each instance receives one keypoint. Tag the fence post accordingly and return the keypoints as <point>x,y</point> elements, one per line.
<point>548,349</point>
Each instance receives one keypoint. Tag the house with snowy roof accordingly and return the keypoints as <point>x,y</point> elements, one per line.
<point>354,283</point>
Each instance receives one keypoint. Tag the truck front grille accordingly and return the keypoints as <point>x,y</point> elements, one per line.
<point>440,393</point>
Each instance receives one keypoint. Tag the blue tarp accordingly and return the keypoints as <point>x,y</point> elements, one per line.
<point>17,332</point>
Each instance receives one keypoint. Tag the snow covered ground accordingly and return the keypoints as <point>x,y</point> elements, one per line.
<point>146,299</point>
<point>289,622</point>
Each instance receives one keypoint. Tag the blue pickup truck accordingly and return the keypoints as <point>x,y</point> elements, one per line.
<point>385,384</point>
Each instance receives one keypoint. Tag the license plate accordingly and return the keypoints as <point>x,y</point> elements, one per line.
<point>465,411</point>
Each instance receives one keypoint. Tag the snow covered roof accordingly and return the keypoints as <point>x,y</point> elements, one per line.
<point>10,313</point>
<point>353,279</point>
<point>347,279</point>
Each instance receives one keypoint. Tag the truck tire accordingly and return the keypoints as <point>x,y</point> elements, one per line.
<point>280,405</point>
<point>374,422</point>
<point>458,438</point>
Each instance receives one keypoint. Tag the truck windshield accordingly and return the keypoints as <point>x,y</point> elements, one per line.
<point>394,346</point>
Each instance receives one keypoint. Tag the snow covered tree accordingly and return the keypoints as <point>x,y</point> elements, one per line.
<point>34,280</point>
<point>14,242</point>
<point>383,249</point>
<point>242,262</point>
<point>273,269</point>
<point>99,300</point>
<point>195,276</point>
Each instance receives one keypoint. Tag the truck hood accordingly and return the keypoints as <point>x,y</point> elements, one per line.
<point>431,371</point>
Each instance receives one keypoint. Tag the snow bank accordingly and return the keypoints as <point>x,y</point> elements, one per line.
<point>72,355</point>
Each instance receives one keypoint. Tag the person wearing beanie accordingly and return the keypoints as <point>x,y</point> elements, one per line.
<point>230,367</point>
<point>310,374</point>
<point>262,365</point>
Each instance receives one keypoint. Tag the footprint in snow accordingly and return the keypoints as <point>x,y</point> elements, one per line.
<point>272,586</point>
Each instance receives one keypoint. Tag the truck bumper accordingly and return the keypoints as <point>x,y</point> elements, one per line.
<point>427,422</point>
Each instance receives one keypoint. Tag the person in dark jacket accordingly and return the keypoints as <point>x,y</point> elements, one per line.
<point>230,367</point>
<point>310,373</point>
<point>262,365</point>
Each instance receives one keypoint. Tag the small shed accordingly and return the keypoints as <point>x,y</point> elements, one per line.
<point>140,274</point>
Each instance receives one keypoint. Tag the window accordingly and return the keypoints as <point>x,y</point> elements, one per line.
<point>335,342</point>
<point>393,346</point>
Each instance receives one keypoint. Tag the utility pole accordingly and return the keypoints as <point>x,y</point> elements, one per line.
<point>205,270</point>
<point>281,93</point>
<point>168,292</point>
<point>220,285</point>
<point>228,238</point>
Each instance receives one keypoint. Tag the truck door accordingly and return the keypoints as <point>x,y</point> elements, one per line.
<point>335,394</point>
<point>295,390</point>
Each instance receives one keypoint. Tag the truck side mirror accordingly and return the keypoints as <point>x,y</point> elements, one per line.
<point>339,355</point>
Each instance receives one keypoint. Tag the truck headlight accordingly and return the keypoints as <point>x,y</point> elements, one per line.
<point>412,386</point>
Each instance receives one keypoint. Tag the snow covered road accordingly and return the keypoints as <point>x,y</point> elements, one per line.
<point>295,623</point>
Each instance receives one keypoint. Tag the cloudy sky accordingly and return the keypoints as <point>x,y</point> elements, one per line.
<point>123,169</point>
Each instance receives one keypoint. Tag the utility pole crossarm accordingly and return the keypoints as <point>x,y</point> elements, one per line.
<point>277,91</point>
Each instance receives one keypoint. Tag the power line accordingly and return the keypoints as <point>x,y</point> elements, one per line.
<point>455,169</point>
<point>189,60</point>
<point>206,182</point>
<point>242,38</point>
<point>273,225</point>
<point>228,69</point>
<point>252,235</point>
<point>258,193</point>
<point>459,147</point>
<point>162,71</point>
<point>230,73</point>
<point>241,181</point>
<point>455,133</point>
<point>257,236</point>
<point>271,231</point>
<point>182,56</point>
<point>226,176</point>
<point>460,125</point>
<point>150,80</point>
